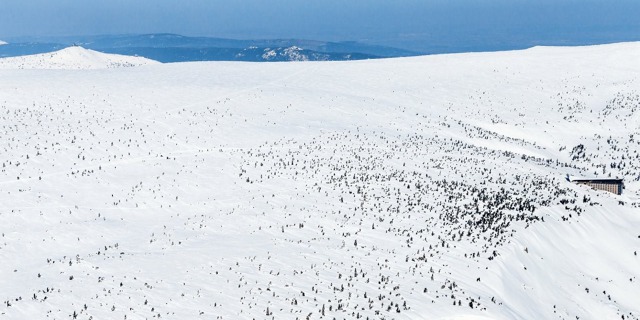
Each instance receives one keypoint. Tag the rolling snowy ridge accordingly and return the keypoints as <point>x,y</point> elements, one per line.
<point>414,188</point>
<point>73,58</point>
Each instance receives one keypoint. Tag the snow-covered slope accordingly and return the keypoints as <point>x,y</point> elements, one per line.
<point>73,58</point>
<point>292,53</point>
<point>417,188</point>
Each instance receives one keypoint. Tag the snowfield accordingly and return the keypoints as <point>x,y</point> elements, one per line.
<point>73,58</point>
<point>415,188</point>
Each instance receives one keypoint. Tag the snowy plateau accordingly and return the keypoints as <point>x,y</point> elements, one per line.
<point>412,188</point>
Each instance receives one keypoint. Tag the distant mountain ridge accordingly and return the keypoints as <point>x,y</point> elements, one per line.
<point>176,48</point>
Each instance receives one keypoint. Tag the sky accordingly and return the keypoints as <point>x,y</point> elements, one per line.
<point>411,24</point>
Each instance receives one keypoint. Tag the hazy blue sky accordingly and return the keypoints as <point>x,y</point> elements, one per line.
<point>408,23</point>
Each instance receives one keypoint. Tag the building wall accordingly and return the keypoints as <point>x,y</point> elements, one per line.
<point>610,187</point>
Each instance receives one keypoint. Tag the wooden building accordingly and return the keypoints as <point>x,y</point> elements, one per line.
<point>614,186</point>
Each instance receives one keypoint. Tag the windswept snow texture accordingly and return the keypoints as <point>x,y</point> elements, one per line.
<point>414,188</point>
<point>73,58</point>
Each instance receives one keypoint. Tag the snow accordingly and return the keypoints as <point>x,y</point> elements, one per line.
<point>73,58</point>
<point>221,190</point>
<point>269,54</point>
<point>292,53</point>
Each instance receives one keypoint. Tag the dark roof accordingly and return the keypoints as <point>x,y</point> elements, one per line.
<point>598,180</point>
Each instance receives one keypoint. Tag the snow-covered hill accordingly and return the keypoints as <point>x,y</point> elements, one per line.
<point>292,53</point>
<point>415,188</point>
<point>73,58</point>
